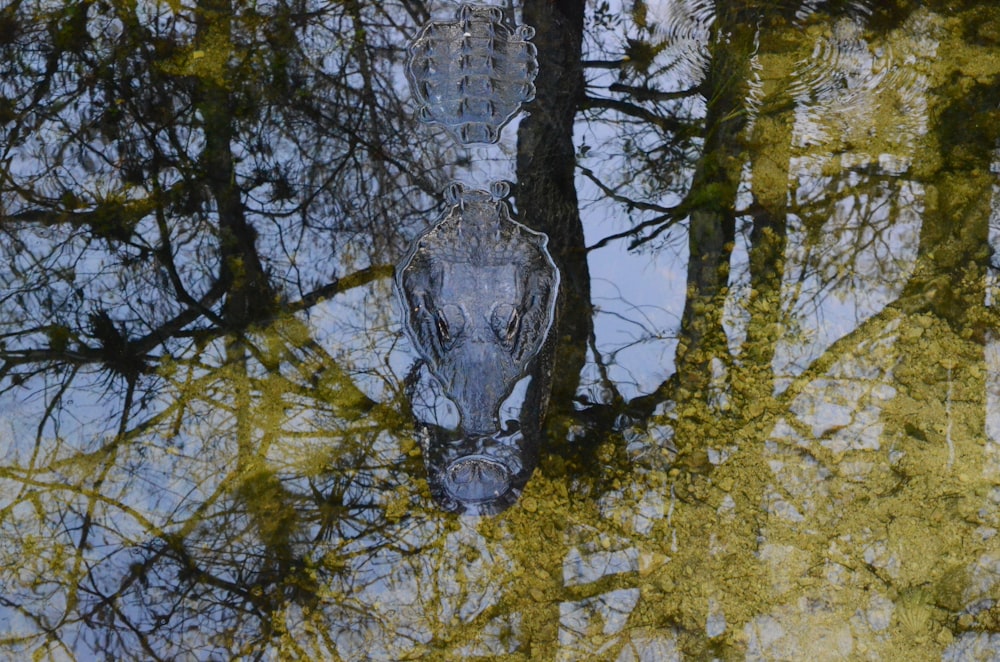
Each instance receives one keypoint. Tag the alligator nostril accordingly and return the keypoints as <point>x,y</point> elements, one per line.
<point>474,479</point>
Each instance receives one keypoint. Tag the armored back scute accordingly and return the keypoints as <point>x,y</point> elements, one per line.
<point>471,75</point>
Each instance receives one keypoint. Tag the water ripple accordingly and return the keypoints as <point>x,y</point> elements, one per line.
<point>685,27</point>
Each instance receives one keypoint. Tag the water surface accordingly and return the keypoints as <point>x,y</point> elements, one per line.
<point>767,421</point>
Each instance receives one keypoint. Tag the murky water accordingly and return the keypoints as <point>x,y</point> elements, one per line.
<point>765,423</point>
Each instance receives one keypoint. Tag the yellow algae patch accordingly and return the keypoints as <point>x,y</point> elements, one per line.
<point>209,61</point>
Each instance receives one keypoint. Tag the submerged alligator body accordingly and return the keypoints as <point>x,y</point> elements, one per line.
<point>471,75</point>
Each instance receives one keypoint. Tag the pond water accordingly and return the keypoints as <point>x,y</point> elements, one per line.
<point>764,421</point>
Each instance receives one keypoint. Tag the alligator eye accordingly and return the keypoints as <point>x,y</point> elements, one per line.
<point>513,326</point>
<point>442,327</point>
<point>505,320</point>
<point>450,324</point>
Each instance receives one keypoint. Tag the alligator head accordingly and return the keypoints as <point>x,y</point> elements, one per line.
<point>479,294</point>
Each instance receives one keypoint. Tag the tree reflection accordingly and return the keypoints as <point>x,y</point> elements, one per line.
<point>176,178</point>
<point>209,448</point>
